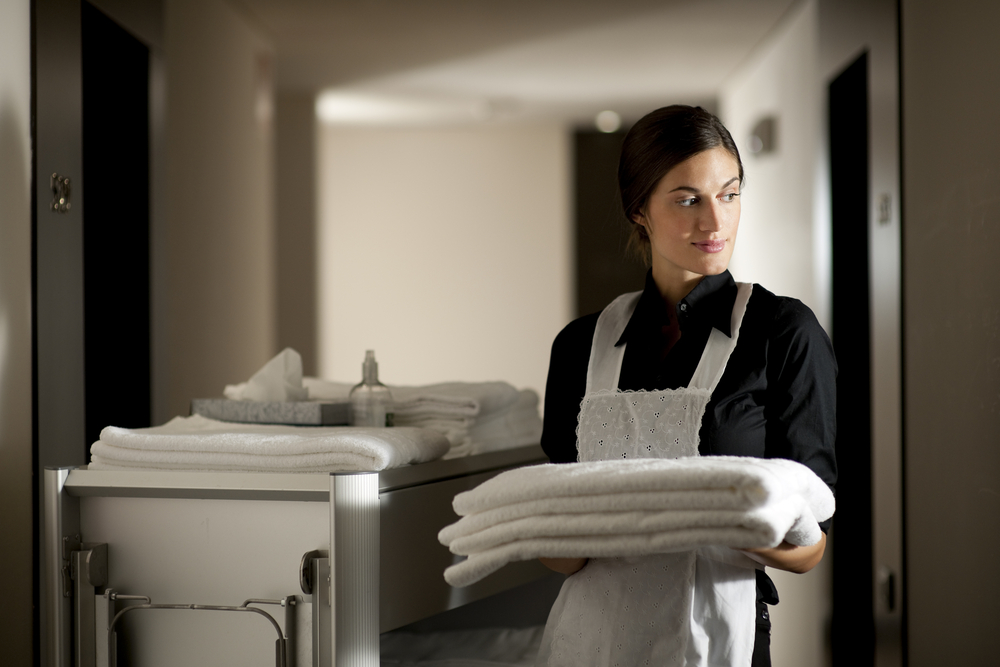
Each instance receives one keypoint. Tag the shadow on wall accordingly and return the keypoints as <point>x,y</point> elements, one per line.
<point>15,380</point>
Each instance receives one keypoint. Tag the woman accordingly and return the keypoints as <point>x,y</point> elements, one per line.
<point>764,370</point>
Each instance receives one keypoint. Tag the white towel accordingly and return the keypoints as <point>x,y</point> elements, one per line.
<point>632,508</point>
<point>768,525</point>
<point>750,480</point>
<point>517,426</point>
<point>476,417</point>
<point>521,422</point>
<point>200,443</point>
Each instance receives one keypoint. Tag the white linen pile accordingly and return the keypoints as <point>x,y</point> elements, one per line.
<point>476,417</point>
<point>634,507</point>
<point>200,443</point>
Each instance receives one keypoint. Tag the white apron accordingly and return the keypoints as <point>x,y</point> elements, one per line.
<point>687,608</point>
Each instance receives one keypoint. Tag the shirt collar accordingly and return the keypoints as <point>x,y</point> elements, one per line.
<point>709,303</point>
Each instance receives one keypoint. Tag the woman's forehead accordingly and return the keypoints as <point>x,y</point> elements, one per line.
<point>714,168</point>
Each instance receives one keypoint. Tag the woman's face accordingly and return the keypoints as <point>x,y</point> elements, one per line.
<point>692,216</point>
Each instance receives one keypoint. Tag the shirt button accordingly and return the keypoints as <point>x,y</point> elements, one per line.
<point>683,307</point>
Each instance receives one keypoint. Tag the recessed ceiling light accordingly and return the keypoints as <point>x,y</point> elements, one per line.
<point>608,121</point>
<point>345,107</point>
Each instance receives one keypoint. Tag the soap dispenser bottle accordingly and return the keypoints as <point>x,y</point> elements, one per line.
<point>371,401</point>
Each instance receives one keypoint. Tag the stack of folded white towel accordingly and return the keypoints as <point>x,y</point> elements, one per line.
<point>476,417</point>
<point>200,443</point>
<point>633,507</point>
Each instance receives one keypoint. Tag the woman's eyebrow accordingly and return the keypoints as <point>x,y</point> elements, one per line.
<point>688,188</point>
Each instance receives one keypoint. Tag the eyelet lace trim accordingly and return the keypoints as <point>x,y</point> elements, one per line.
<point>616,424</point>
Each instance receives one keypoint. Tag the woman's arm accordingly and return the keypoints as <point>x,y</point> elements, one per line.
<point>789,557</point>
<point>785,556</point>
<point>801,414</point>
<point>564,389</point>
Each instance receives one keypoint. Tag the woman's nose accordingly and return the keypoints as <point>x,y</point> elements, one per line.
<point>712,219</point>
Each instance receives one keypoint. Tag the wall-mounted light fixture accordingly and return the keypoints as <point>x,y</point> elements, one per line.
<point>764,136</point>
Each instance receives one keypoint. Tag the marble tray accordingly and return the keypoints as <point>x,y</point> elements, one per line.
<point>299,413</point>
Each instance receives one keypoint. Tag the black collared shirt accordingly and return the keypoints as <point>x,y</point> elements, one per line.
<point>776,398</point>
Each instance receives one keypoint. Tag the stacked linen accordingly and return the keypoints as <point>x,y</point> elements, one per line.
<point>633,507</point>
<point>200,443</point>
<point>476,417</point>
<point>514,425</point>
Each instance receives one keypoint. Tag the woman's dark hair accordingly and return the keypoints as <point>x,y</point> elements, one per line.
<point>657,143</point>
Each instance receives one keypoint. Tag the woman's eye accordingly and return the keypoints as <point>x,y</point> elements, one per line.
<point>730,196</point>
<point>690,201</point>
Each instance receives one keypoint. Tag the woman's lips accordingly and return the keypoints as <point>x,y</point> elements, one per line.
<point>712,246</point>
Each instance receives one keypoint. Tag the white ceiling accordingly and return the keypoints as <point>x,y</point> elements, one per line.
<point>406,61</point>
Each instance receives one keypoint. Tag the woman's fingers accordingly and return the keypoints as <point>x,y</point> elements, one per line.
<point>565,566</point>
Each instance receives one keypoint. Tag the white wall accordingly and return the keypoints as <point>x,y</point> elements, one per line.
<point>15,333</point>
<point>213,259</point>
<point>783,229</point>
<point>781,246</point>
<point>447,251</point>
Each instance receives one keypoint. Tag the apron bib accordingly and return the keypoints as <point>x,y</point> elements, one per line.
<point>685,608</point>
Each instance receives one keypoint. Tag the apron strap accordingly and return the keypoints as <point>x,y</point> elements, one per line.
<point>605,359</point>
<point>720,346</point>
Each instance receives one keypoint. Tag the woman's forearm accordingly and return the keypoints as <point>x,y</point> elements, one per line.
<point>785,556</point>
<point>789,557</point>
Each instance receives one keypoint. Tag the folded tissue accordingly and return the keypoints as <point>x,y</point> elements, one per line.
<point>278,380</point>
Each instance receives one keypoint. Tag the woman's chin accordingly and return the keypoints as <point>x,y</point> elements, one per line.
<point>711,268</point>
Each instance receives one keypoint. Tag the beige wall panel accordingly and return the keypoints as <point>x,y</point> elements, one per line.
<point>296,142</point>
<point>951,102</point>
<point>444,250</point>
<point>217,277</point>
<point>15,333</point>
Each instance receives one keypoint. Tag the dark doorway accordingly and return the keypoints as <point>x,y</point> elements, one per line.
<point>602,269</point>
<point>116,225</point>
<point>853,631</point>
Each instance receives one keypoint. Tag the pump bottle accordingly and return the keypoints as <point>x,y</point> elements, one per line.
<point>371,401</point>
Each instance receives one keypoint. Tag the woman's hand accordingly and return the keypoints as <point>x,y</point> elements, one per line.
<point>789,557</point>
<point>565,566</point>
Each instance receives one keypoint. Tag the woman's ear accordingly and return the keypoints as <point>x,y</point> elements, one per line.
<point>640,219</point>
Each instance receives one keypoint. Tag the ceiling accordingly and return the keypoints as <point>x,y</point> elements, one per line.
<point>418,61</point>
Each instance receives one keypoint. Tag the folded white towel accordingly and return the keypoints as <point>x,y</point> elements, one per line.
<point>750,480</point>
<point>769,524</point>
<point>703,499</point>
<point>517,426</point>
<point>634,507</point>
<point>521,421</point>
<point>480,565</point>
<point>476,417</point>
<point>200,443</point>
